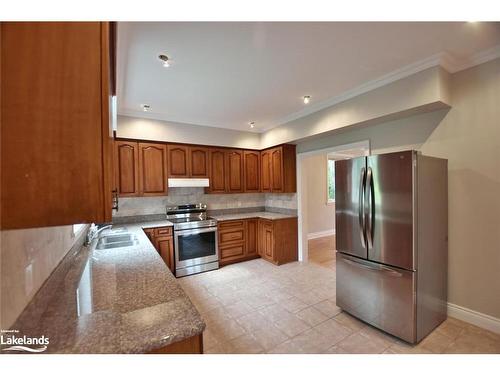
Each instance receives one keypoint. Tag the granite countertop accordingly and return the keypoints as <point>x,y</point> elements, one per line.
<point>122,300</point>
<point>250,215</point>
<point>151,224</point>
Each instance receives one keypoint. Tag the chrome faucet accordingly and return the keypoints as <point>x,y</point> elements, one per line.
<point>94,232</point>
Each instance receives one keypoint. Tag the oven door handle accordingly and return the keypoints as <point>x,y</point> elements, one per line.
<point>179,233</point>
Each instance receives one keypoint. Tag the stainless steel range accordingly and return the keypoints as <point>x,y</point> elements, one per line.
<point>195,239</point>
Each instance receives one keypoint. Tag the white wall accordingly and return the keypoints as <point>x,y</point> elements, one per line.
<point>418,93</point>
<point>468,135</point>
<point>28,257</point>
<point>156,130</point>
<point>320,215</point>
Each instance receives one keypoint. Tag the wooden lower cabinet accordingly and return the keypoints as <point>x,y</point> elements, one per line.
<point>273,240</point>
<point>163,240</point>
<point>233,241</point>
<point>165,246</point>
<point>278,242</point>
<point>191,345</point>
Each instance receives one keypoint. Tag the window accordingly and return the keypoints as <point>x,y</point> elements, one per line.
<point>330,181</point>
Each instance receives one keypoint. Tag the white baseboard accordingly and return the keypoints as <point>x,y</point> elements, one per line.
<point>311,236</point>
<point>474,317</point>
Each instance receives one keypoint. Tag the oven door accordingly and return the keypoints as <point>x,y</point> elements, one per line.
<point>195,246</point>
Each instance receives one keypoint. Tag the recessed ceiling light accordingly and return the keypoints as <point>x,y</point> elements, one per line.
<point>165,60</point>
<point>146,107</point>
<point>252,124</point>
<point>307,99</point>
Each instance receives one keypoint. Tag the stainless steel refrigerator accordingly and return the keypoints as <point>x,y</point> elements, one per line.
<point>391,213</point>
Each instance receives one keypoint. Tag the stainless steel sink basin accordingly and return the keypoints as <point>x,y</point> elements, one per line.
<point>117,240</point>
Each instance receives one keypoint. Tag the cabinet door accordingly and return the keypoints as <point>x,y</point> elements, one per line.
<point>266,239</point>
<point>252,171</point>
<point>217,171</point>
<point>265,169</point>
<point>55,123</point>
<point>277,170</point>
<point>199,157</point>
<point>165,246</point>
<point>251,232</point>
<point>152,169</point>
<point>234,171</point>
<point>178,161</point>
<point>127,168</point>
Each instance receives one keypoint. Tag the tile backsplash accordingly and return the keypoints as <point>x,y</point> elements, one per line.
<point>156,205</point>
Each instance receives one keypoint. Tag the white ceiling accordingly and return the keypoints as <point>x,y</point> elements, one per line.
<point>228,74</point>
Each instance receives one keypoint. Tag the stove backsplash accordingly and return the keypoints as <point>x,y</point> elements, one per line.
<point>140,206</point>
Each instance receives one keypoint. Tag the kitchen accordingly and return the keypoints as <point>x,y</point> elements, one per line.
<point>194,236</point>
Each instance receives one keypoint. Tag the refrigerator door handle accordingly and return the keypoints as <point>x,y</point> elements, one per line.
<point>377,268</point>
<point>361,210</point>
<point>370,207</point>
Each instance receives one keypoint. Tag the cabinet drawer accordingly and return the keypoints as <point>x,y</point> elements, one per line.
<point>164,231</point>
<point>233,251</point>
<point>230,225</point>
<point>232,236</point>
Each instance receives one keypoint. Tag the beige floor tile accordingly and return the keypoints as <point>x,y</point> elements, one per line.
<point>269,337</point>
<point>349,321</point>
<point>293,304</point>
<point>245,344</point>
<point>238,309</point>
<point>329,308</point>
<point>227,330</point>
<point>254,307</point>
<point>311,316</point>
<point>360,344</point>
<point>401,347</point>
<point>291,325</point>
<point>450,329</point>
<point>473,341</point>
<point>337,350</point>
<point>329,333</point>
<point>435,342</point>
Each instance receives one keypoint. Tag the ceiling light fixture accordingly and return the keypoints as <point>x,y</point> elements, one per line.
<point>165,60</point>
<point>252,124</point>
<point>146,107</point>
<point>307,99</point>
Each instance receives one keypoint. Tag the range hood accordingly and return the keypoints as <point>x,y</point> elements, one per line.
<point>188,182</point>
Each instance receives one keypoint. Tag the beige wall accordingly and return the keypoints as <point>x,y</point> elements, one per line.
<point>320,216</point>
<point>28,257</point>
<point>468,135</point>
<point>156,130</point>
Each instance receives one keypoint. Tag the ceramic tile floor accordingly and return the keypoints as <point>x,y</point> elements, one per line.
<point>256,307</point>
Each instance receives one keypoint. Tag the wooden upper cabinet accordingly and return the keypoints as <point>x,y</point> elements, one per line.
<point>234,171</point>
<point>252,171</point>
<point>278,169</point>
<point>178,161</point>
<point>217,171</point>
<point>126,160</point>
<point>56,150</point>
<point>152,169</point>
<point>198,162</point>
<point>265,168</point>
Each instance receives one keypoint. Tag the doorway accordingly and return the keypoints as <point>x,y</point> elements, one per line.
<point>316,200</point>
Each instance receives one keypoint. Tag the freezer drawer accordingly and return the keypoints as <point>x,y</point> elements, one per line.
<point>380,295</point>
